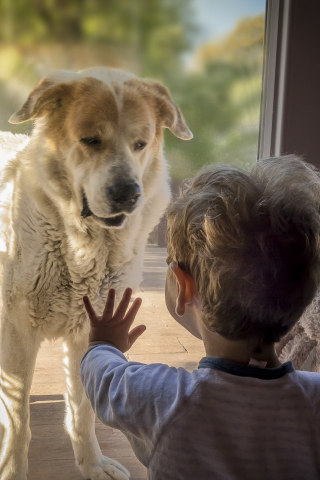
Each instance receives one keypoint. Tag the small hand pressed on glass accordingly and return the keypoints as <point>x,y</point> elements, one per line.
<point>113,328</point>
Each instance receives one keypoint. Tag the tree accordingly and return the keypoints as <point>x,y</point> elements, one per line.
<point>221,101</point>
<point>159,30</point>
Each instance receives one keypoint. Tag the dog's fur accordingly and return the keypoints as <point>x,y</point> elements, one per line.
<point>73,229</point>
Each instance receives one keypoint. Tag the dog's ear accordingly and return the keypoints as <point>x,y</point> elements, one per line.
<point>47,96</point>
<point>168,112</point>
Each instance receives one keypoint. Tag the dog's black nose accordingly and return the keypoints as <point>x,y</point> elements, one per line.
<point>125,193</point>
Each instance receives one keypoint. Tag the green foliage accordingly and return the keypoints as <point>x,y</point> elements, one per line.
<point>159,30</point>
<point>221,102</point>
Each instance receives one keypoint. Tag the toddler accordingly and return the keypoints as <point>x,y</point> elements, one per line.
<point>244,263</point>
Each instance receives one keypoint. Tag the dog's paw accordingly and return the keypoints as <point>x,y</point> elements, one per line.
<point>107,469</point>
<point>120,472</point>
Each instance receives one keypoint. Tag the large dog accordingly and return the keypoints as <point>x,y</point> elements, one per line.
<point>89,186</point>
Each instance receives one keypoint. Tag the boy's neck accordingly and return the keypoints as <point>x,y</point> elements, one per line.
<point>239,351</point>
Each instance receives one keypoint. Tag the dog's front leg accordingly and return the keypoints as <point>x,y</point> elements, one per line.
<point>80,421</point>
<point>17,360</point>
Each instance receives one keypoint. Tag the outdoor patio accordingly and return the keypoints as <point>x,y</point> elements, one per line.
<point>50,455</point>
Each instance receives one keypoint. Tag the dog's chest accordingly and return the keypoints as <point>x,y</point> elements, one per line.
<point>52,271</point>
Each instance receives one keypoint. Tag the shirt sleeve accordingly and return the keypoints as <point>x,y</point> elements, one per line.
<point>135,398</point>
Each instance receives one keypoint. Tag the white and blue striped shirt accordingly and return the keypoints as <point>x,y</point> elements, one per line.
<point>221,422</point>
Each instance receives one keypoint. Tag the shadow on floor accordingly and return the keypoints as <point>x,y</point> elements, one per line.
<point>50,453</point>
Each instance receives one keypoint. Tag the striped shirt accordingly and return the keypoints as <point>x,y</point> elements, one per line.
<point>223,421</point>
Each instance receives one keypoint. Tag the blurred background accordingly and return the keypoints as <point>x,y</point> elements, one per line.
<point>208,52</point>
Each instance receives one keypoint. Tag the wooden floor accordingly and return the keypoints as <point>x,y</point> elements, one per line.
<point>50,454</point>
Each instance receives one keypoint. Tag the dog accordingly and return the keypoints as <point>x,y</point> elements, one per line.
<point>89,185</point>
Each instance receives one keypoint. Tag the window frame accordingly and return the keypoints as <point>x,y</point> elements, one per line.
<point>290,107</point>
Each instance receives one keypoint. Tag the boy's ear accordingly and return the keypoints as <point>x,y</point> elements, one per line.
<point>187,292</point>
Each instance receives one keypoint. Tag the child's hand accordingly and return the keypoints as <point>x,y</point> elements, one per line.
<point>114,328</point>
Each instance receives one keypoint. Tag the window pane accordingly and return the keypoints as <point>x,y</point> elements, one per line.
<point>208,52</point>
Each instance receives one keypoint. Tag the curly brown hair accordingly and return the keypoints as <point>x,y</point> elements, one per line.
<point>250,240</point>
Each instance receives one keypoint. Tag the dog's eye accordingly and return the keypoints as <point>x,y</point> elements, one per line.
<point>139,145</point>
<point>91,141</point>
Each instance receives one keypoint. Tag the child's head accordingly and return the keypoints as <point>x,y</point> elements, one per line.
<point>250,241</point>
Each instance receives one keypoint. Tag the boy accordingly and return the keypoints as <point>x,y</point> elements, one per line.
<point>244,258</point>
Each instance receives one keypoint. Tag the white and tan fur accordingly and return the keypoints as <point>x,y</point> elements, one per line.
<point>93,130</point>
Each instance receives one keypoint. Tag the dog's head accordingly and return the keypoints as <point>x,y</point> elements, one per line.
<point>108,131</point>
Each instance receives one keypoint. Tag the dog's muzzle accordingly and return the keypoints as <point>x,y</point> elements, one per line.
<point>123,198</point>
